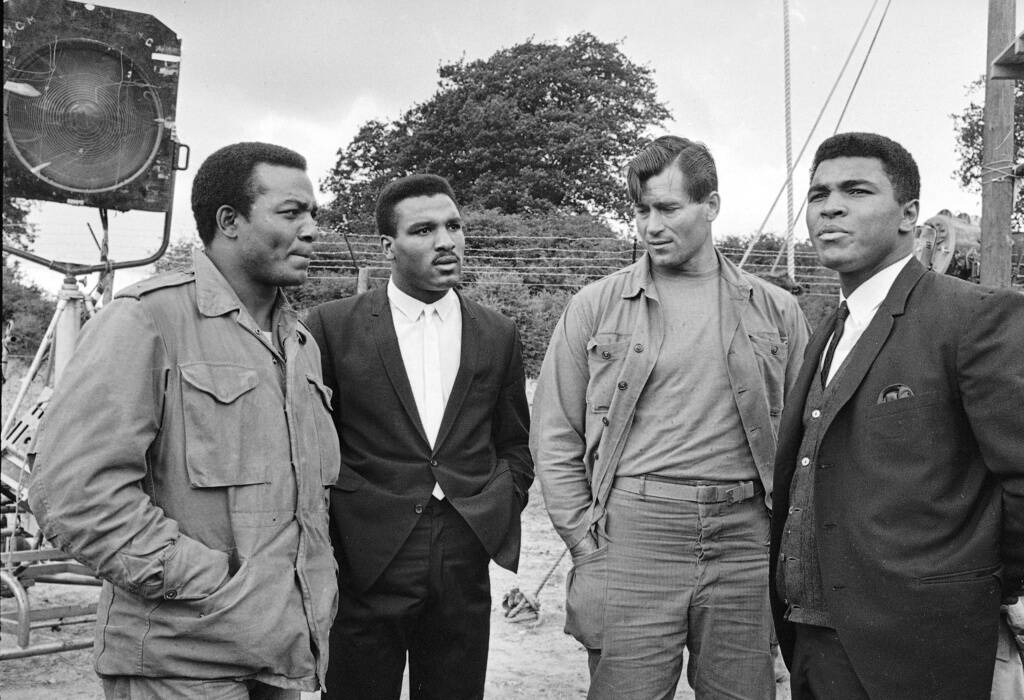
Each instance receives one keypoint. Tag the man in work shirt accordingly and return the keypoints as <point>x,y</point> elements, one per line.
<point>653,437</point>
<point>185,452</point>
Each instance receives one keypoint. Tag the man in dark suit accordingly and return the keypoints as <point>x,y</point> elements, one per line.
<point>898,519</point>
<point>430,408</point>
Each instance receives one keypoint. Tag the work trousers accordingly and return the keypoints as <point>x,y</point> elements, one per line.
<point>432,603</point>
<point>685,574</point>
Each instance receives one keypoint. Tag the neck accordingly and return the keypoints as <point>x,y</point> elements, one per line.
<point>257,298</point>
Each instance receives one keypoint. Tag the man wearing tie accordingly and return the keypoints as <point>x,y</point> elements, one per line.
<point>898,523</point>
<point>430,408</point>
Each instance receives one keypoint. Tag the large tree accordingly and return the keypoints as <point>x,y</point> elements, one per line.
<point>536,127</point>
<point>969,126</point>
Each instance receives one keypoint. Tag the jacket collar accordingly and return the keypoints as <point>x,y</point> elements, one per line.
<point>639,279</point>
<point>216,297</point>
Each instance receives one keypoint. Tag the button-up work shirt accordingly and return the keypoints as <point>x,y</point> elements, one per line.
<point>601,356</point>
<point>185,456</point>
<point>431,370</point>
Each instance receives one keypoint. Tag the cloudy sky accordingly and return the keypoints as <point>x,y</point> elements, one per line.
<point>307,73</point>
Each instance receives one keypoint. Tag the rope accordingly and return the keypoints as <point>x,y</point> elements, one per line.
<point>789,127</point>
<point>821,113</point>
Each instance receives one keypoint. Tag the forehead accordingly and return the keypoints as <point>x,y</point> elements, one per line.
<point>435,207</point>
<point>669,184</point>
<point>279,183</point>
<point>834,171</point>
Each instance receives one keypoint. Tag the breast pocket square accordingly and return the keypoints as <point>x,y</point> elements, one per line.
<point>895,392</point>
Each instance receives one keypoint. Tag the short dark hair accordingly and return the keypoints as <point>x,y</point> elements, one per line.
<point>691,157</point>
<point>225,178</point>
<point>898,164</point>
<point>419,185</point>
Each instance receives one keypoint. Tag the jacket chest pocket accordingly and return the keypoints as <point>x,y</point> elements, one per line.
<point>604,361</point>
<point>223,441</point>
<point>326,435</point>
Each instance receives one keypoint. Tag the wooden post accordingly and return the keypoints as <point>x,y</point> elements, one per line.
<point>997,153</point>
<point>363,280</point>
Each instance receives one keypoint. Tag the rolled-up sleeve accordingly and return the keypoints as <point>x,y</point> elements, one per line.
<point>90,458</point>
<point>558,426</point>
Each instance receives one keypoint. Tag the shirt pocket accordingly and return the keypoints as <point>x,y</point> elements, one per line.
<point>219,401</point>
<point>605,356</point>
<point>772,353</point>
<point>326,434</point>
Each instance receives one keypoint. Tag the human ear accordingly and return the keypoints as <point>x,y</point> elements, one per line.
<point>909,212</point>
<point>714,205</point>
<point>227,221</point>
<point>386,244</point>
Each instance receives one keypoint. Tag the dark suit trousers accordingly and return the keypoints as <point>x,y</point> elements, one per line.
<point>433,602</point>
<point>821,670</point>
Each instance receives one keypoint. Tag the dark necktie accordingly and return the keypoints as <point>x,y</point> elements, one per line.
<point>837,332</point>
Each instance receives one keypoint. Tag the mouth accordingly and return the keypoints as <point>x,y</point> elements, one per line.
<point>445,260</point>
<point>831,233</point>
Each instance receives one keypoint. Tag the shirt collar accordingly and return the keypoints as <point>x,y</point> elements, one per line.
<point>866,298</point>
<point>641,280</point>
<point>216,297</point>
<point>411,307</point>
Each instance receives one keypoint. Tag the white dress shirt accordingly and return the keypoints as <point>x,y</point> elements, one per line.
<point>863,302</point>
<point>430,340</point>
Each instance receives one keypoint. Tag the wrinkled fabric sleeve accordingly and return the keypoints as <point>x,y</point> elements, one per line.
<point>90,461</point>
<point>990,371</point>
<point>558,434</point>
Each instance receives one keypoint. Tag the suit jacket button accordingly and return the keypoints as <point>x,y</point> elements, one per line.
<point>604,420</point>
<point>171,594</point>
<point>623,385</point>
<point>419,508</point>
<point>433,462</point>
<point>606,355</point>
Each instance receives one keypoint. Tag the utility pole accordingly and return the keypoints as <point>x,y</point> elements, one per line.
<point>997,153</point>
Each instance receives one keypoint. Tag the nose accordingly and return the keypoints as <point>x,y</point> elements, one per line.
<point>833,205</point>
<point>309,231</point>
<point>654,223</point>
<point>444,240</point>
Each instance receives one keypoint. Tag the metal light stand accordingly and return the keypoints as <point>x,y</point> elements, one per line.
<point>25,559</point>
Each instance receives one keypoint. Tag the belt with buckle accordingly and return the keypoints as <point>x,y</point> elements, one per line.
<point>661,487</point>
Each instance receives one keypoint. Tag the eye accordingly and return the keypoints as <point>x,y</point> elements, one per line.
<point>455,226</point>
<point>815,196</point>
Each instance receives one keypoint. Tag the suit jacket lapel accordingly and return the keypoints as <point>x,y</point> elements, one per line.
<point>391,356</point>
<point>467,369</point>
<point>863,354</point>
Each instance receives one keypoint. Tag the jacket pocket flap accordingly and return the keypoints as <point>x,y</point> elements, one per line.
<point>223,382</point>
<point>325,391</point>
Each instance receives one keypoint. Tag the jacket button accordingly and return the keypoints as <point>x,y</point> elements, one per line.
<point>433,462</point>
<point>638,347</point>
<point>815,413</point>
<point>171,595</point>
<point>775,349</point>
<point>604,420</point>
<point>606,355</point>
<point>623,385</point>
<point>419,508</point>
<point>805,461</point>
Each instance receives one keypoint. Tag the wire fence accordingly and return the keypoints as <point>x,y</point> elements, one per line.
<point>555,263</point>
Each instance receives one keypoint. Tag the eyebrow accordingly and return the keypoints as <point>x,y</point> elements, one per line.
<point>844,185</point>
